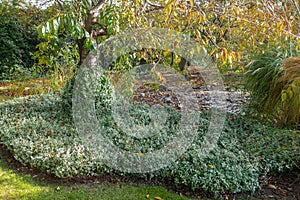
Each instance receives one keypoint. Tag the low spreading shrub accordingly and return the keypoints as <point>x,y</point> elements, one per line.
<point>37,133</point>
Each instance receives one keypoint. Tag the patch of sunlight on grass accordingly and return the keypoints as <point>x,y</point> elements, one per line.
<point>14,186</point>
<point>22,186</point>
<point>4,98</point>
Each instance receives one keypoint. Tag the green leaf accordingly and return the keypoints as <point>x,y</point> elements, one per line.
<point>283,96</point>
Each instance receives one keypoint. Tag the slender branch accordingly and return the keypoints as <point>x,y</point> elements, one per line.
<point>154,4</point>
<point>94,12</point>
<point>60,5</point>
<point>153,9</point>
<point>97,6</point>
<point>297,6</point>
<point>144,7</point>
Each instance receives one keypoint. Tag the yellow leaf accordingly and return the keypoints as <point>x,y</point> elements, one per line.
<point>51,154</point>
<point>169,8</point>
<point>139,154</point>
<point>192,2</point>
<point>177,59</point>
<point>212,52</point>
<point>239,55</point>
<point>58,188</point>
<point>272,186</point>
<point>147,196</point>
<point>157,198</point>
<point>283,96</point>
<point>166,53</point>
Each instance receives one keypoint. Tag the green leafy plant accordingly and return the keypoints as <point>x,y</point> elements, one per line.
<point>62,63</point>
<point>18,38</point>
<point>41,137</point>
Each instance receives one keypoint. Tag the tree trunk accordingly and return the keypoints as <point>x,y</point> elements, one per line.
<point>83,52</point>
<point>182,64</point>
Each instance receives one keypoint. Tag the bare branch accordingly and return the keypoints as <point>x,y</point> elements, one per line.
<point>296,5</point>
<point>97,6</point>
<point>155,4</point>
<point>153,9</point>
<point>60,5</point>
<point>94,12</point>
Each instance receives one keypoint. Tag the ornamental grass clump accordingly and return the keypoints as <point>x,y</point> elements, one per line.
<point>272,79</point>
<point>290,95</point>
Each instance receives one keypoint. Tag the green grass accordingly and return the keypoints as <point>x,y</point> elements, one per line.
<point>25,87</point>
<point>22,186</point>
<point>4,98</point>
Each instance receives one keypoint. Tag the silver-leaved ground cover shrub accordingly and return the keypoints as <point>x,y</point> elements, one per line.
<point>40,135</point>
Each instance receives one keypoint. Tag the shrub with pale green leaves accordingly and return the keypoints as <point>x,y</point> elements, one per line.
<point>39,136</point>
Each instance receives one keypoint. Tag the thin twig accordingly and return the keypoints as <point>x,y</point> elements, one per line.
<point>155,4</point>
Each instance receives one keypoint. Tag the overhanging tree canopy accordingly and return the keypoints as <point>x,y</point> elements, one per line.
<point>229,30</point>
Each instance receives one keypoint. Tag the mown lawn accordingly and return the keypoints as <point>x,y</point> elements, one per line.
<point>15,185</point>
<point>18,88</point>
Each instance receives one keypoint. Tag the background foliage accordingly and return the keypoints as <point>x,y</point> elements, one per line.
<point>18,38</point>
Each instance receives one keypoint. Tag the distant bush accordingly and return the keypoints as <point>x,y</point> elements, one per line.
<point>17,42</point>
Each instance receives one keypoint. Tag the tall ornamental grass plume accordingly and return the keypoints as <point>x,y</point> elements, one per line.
<point>290,95</point>
<point>273,80</point>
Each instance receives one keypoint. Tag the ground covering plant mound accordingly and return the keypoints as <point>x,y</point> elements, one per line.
<point>272,78</point>
<point>37,133</point>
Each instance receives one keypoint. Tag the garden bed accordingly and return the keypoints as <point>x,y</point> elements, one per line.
<point>39,135</point>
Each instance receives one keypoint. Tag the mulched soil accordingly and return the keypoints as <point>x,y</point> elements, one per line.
<point>153,95</point>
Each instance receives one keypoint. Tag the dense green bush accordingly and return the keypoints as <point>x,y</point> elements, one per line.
<point>19,37</point>
<point>16,46</point>
<point>40,136</point>
<point>102,90</point>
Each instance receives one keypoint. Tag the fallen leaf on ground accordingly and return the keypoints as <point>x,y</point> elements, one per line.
<point>272,186</point>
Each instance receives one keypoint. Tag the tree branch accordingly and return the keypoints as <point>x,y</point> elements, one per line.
<point>94,12</point>
<point>60,5</point>
<point>97,6</point>
<point>153,9</point>
<point>154,4</point>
